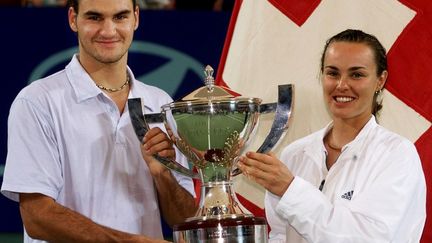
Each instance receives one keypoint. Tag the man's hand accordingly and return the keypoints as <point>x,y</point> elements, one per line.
<point>266,170</point>
<point>176,203</point>
<point>156,142</point>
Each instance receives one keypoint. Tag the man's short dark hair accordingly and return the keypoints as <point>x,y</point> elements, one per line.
<point>74,4</point>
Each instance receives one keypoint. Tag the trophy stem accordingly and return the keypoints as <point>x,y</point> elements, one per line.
<point>218,201</point>
<point>220,219</point>
<point>244,229</point>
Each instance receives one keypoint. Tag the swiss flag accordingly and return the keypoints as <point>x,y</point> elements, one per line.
<point>273,42</point>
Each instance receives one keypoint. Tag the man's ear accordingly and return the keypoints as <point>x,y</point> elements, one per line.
<point>136,13</point>
<point>72,17</point>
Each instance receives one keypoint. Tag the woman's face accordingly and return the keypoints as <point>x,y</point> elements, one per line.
<point>349,80</point>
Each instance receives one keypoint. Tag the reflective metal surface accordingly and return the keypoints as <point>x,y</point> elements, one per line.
<point>158,117</point>
<point>212,134</point>
<point>141,127</point>
<point>242,230</point>
<point>281,121</point>
<point>213,129</point>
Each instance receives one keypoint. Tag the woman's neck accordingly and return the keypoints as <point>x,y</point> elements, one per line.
<point>345,130</point>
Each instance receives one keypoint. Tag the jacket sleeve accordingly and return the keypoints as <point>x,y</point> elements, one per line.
<point>278,229</point>
<point>373,215</point>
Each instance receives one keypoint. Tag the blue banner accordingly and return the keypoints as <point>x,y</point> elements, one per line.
<point>170,50</point>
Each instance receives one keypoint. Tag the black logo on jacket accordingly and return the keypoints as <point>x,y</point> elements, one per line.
<point>348,195</point>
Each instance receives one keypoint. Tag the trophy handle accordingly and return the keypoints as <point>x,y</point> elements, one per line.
<point>280,123</point>
<point>141,127</point>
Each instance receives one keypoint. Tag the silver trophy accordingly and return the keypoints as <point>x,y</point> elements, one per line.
<point>212,128</point>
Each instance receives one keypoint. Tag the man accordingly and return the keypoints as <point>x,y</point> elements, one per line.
<point>74,162</point>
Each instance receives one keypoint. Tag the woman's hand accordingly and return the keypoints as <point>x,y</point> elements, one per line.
<point>266,170</point>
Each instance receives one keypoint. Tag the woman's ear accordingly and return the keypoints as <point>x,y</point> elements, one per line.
<point>382,79</point>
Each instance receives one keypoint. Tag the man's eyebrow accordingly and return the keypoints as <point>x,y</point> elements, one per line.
<point>92,13</point>
<point>123,12</point>
<point>95,13</point>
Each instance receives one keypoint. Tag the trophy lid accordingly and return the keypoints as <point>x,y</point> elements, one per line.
<point>210,91</point>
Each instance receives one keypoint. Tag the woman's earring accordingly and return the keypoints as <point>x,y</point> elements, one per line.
<point>378,96</point>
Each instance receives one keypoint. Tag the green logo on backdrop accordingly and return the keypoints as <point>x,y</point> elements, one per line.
<point>167,77</point>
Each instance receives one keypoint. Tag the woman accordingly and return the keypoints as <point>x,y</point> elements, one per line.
<point>352,181</point>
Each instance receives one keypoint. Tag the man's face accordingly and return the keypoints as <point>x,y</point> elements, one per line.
<point>105,29</point>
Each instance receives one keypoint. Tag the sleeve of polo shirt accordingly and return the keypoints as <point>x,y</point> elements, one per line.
<point>372,216</point>
<point>32,164</point>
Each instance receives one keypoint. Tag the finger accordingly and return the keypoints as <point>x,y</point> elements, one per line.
<point>157,147</point>
<point>251,169</point>
<point>264,175</point>
<point>274,178</point>
<point>260,165</point>
<point>243,167</point>
<point>263,158</point>
<point>271,154</point>
<point>246,163</point>
<point>168,153</point>
<point>156,139</point>
<point>152,133</point>
<point>164,153</point>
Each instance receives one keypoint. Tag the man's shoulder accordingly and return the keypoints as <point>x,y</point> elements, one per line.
<point>44,86</point>
<point>40,96</point>
<point>152,92</point>
<point>143,87</point>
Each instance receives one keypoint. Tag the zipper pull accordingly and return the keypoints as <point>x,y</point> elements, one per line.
<point>321,185</point>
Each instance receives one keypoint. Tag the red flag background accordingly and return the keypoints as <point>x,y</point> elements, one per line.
<point>272,42</point>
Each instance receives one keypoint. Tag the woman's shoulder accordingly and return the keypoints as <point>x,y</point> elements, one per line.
<point>297,146</point>
<point>390,139</point>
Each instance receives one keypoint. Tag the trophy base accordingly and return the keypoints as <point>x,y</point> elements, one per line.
<point>243,229</point>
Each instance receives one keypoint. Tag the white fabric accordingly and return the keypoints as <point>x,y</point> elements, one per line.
<point>268,48</point>
<point>67,140</point>
<point>380,170</point>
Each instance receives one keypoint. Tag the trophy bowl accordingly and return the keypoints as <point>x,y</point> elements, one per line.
<point>212,128</point>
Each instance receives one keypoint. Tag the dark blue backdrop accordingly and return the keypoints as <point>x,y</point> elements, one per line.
<point>170,50</point>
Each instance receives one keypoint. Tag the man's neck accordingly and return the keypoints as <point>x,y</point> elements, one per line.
<point>110,75</point>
